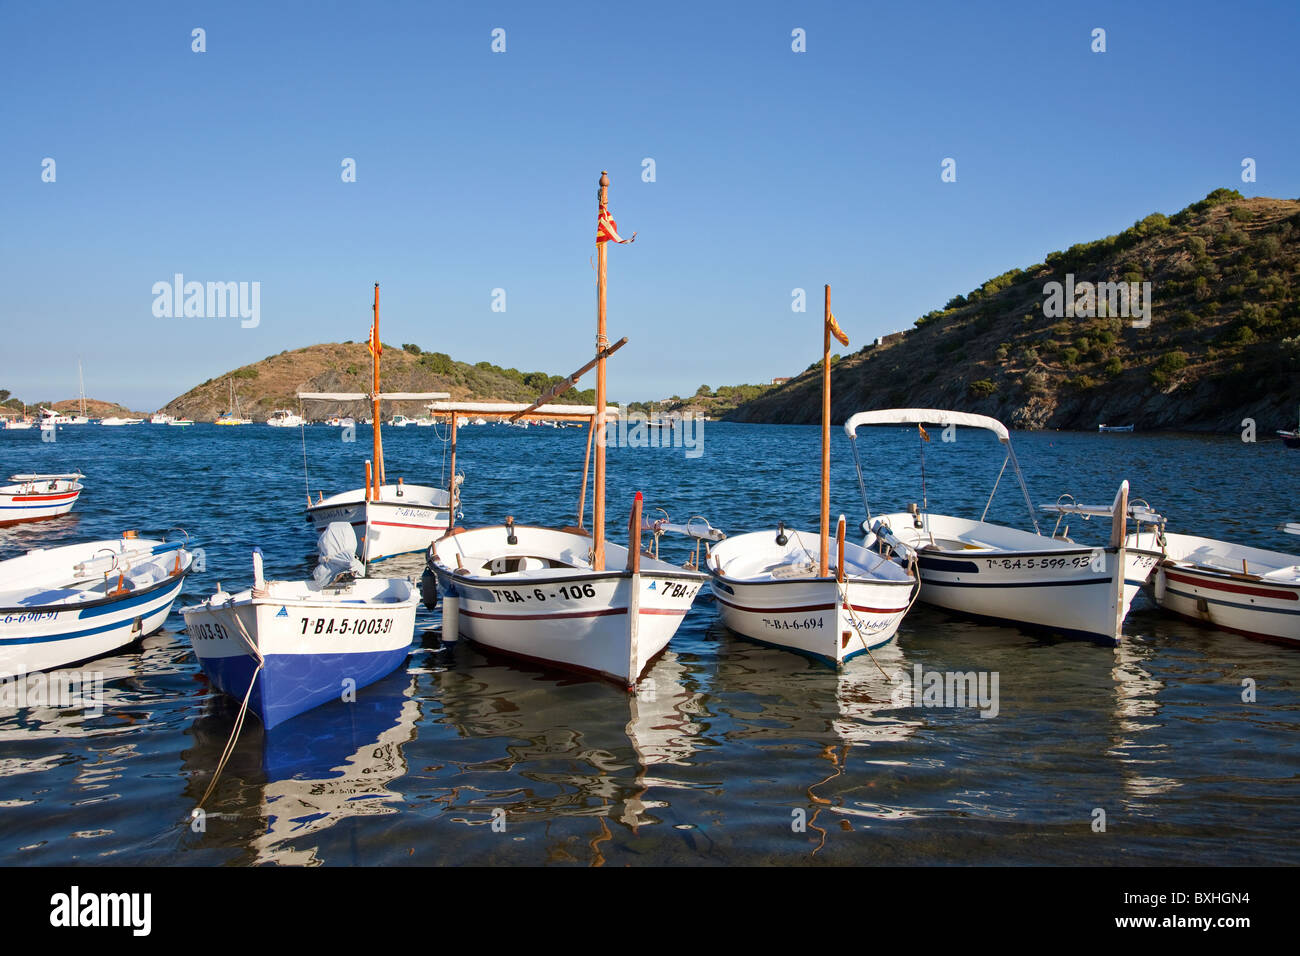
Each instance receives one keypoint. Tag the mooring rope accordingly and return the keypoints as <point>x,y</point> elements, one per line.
<point>243,708</point>
<point>848,605</point>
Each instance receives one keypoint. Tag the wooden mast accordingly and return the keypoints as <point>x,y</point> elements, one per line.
<point>451,481</point>
<point>379,446</point>
<point>826,438</point>
<point>598,493</point>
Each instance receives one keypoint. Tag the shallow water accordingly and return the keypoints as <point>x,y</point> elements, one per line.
<point>731,752</point>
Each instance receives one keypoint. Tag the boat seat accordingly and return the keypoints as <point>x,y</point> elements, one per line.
<point>786,569</point>
<point>36,597</point>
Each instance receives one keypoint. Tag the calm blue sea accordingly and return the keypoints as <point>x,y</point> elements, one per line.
<point>731,753</point>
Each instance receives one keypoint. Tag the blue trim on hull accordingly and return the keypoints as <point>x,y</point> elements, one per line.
<point>162,600</point>
<point>1011,584</point>
<point>290,684</point>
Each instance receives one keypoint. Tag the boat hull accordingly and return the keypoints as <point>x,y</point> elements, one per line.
<point>1060,587</point>
<point>390,526</point>
<point>610,624</point>
<point>21,508</point>
<point>1249,604</point>
<point>820,617</point>
<point>35,639</point>
<point>312,653</point>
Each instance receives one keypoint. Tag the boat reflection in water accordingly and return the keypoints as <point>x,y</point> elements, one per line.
<point>560,741</point>
<point>1137,745</point>
<point>287,785</point>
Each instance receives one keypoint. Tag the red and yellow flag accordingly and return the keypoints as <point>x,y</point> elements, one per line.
<point>836,331</point>
<point>607,228</point>
<point>374,346</point>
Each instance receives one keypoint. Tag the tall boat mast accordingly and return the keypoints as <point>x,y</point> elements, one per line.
<point>826,439</point>
<point>598,501</point>
<point>375,350</point>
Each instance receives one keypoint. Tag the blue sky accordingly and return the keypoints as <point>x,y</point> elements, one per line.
<point>477,170</point>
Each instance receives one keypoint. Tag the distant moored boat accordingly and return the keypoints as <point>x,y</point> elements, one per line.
<point>38,497</point>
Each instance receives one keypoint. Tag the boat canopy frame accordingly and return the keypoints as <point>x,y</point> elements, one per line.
<point>945,418</point>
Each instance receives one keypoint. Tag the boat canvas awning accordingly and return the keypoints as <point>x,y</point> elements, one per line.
<point>572,412</point>
<point>365,396</point>
<point>925,416</point>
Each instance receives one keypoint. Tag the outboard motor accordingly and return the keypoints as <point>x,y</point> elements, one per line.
<point>336,554</point>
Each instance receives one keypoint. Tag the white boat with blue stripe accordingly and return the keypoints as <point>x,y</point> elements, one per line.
<point>288,646</point>
<point>38,497</point>
<point>68,604</point>
<point>998,573</point>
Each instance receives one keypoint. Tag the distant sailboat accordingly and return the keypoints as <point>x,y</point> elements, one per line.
<point>233,417</point>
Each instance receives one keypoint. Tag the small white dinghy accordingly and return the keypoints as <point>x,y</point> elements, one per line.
<point>289,646</point>
<point>1229,586</point>
<point>38,497</point>
<point>770,589</point>
<point>775,589</point>
<point>62,605</point>
<point>991,571</point>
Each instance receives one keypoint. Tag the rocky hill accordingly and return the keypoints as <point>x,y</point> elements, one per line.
<point>1222,343</point>
<point>274,382</point>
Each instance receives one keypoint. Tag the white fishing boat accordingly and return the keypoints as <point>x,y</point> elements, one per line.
<point>159,418</point>
<point>71,603</point>
<point>20,423</point>
<point>389,519</point>
<point>38,497</point>
<point>284,418</point>
<point>400,421</point>
<point>773,587</point>
<point>563,596</point>
<point>114,421</point>
<point>181,422</point>
<point>289,646</point>
<point>50,418</point>
<point>1230,586</point>
<point>991,571</point>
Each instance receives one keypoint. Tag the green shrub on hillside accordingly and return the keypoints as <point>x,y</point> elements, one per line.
<point>1172,361</point>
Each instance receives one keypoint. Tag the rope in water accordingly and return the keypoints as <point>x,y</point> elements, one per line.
<point>848,605</point>
<point>243,707</point>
